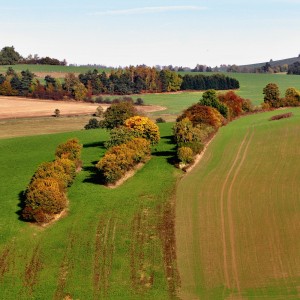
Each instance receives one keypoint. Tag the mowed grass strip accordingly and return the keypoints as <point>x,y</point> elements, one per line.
<point>238,213</point>
<point>110,245</point>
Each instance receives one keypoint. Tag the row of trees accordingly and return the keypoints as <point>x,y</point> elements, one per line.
<point>142,79</point>
<point>215,81</point>
<point>201,120</point>
<point>46,196</point>
<point>272,97</point>
<point>9,56</point>
<point>128,81</point>
<point>129,144</point>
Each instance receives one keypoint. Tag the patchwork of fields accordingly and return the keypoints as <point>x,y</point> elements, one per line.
<point>238,213</point>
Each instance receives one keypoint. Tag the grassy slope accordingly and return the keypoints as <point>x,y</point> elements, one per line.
<point>109,241</point>
<point>238,212</point>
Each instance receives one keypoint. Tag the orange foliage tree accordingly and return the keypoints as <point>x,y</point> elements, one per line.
<point>199,114</point>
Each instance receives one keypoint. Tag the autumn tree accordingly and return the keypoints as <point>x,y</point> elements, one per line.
<point>200,114</point>
<point>233,102</point>
<point>272,95</point>
<point>144,127</point>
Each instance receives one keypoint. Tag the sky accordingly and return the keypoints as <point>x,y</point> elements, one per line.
<point>157,32</point>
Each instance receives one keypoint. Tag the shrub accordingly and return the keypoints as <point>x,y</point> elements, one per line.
<point>139,101</point>
<point>92,124</point>
<point>292,97</point>
<point>120,159</point>
<point>53,170</point>
<point>119,135</point>
<point>43,199</point>
<point>185,154</point>
<point>57,113</point>
<point>271,92</point>
<point>99,112</point>
<point>281,116</point>
<point>160,120</point>
<point>247,105</point>
<point>115,163</point>
<point>141,148</point>
<point>144,127</point>
<point>196,146</point>
<point>71,149</point>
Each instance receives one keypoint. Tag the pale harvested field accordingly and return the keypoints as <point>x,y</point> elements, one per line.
<point>21,116</point>
<point>14,107</point>
<point>238,214</point>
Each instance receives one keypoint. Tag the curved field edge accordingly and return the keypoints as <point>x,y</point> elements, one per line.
<point>238,213</point>
<point>116,244</point>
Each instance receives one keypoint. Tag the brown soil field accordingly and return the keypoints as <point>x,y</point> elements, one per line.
<point>17,107</point>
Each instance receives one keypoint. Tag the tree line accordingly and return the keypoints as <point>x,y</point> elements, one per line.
<point>131,80</point>
<point>196,125</point>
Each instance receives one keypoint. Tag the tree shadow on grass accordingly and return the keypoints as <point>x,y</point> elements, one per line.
<point>21,205</point>
<point>170,156</point>
<point>169,138</point>
<point>94,176</point>
<point>95,144</point>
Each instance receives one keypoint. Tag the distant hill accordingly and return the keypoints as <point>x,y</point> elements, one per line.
<point>280,62</point>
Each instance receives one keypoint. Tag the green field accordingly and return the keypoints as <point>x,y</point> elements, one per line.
<point>50,69</point>
<point>238,213</point>
<point>115,244</point>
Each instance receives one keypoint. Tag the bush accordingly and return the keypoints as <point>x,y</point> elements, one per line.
<point>281,116</point>
<point>160,120</point>
<point>139,101</point>
<point>120,159</point>
<point>92,124</point>
<point>185,154</point>
<point>196,146</point>
<point>43,199</point>
<point>53,170</point>
<point>71,149</point>
<point>120,135</point>
<point>141,148</point>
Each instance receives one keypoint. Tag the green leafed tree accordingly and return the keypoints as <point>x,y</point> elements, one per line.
<point>9,56</point>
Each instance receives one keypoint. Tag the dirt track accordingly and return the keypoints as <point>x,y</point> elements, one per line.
<point>17,107</point>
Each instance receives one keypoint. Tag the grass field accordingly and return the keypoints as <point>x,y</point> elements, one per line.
<point>50,69</point>
<point>115,244</point>
<point>238,213</point>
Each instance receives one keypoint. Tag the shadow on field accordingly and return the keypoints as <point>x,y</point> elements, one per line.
<point>94,175</point>
<point>169,155</point>
<point>169,138</point>
<point>21,205</point>
<point>96,144</point>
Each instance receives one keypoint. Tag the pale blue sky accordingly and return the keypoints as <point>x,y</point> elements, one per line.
<point>153,32</point>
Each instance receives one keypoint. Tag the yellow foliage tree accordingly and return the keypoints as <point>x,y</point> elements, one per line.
<point>144,128</point>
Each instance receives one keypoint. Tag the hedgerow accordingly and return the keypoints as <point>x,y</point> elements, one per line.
<point>45,196</point>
